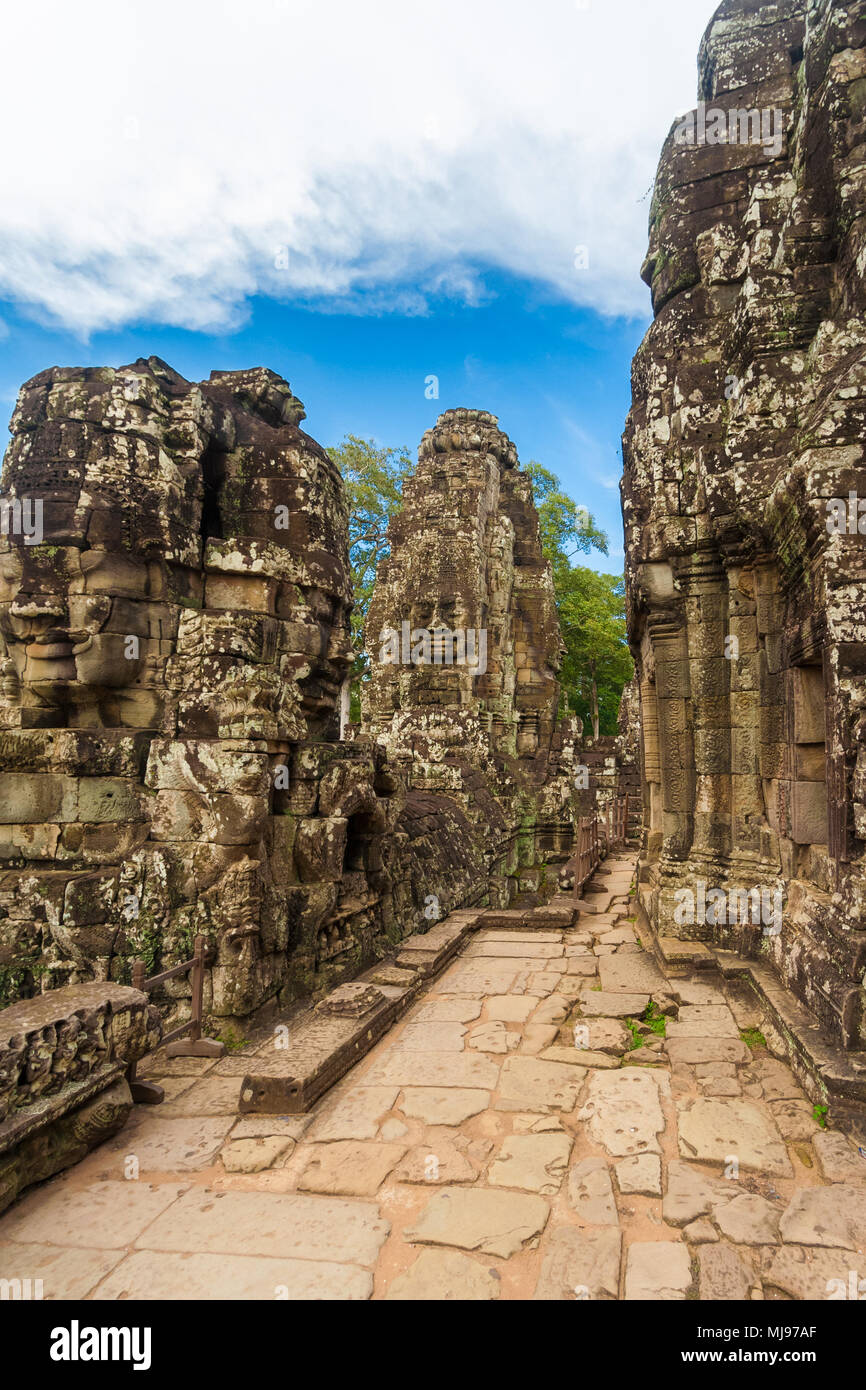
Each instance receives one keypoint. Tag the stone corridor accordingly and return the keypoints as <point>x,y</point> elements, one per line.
<point>478,1153</point>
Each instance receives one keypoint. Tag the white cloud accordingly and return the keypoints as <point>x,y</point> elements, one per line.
<point>159,159</point>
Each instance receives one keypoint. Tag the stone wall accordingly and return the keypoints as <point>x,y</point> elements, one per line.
<point>747,614</point>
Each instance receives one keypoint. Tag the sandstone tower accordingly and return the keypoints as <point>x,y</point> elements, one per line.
<point>747,613</point>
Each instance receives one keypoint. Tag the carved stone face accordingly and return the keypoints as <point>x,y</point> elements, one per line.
<point>75,622</point>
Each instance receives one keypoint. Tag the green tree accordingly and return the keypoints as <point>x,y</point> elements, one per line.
<point>591,606</point>
<point>373,477</point>
<point>597,663</point>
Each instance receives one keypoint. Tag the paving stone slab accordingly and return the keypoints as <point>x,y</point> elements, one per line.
<point>161,1145</point>
<point>724,1274</point>
<point>65,1273</point>
<point>795,1119</point>
<point>438,1106</point>
<point>700,1232</point>
<point>583,966</point>
<point>478,977</point>
<point>150,1274</point>
<point>580,1264</point>
<point>468,1069</point>
<point>777,1081</point>
<point>356,1114</point>
<point>499,1223</point>
<point>438,1161</point>
<point>815,1274</point>
<point>533,1162</point>
<point>213,1095</point>
<point>527,1083</point>
<point>537,1036</point>
<point>492,1036</point>
<point>833,1216</point>
<point>631,975</point>
<point>104,1216</point>
<point>749,1219</point>
<point>349,1169</point>
<point>542,983</point>
<point>602,1035</point>
<point>449,1010</point>
<point>657,1270</point>
<point>445,1276</point>
<point>262,1126</point>
<point>590,1193</point>
<point>703,1021</point>
<point>692,1193</point>
<point>510,1008</point>
<point>839,1159</point>
<point>640,1173</point>
<point>255,1155</point>
<point>712,1130</point>
<point>623,1111</point>
<point>579,1057</point>
<point>424,1036</point>
<point>522,949</point>
<point>691,1051</point>
<point>600,1004</point>
<point>273,1224</point>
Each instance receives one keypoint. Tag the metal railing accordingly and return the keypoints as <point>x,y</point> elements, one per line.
<point>194,1045</point>
<point>595,832</point>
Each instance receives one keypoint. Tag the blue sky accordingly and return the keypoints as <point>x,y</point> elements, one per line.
<point>458,191</point>
<point>556,375</point>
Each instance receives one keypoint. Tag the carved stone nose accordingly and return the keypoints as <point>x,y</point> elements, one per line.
<point>31,607</point>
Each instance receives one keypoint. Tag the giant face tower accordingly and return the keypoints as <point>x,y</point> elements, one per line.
<point>175,633</point>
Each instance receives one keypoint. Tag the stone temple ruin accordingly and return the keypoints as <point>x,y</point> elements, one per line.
<point>175,641</point>
<point>175,646</point>
<point>746,594</point>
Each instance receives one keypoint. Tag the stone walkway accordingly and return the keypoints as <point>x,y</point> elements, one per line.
<point>506,1139</point>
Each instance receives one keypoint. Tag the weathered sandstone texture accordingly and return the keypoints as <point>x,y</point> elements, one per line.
<point>747,612</point>
<point>479,742</point>
<point>174,644</point>
<point>63,1060</point>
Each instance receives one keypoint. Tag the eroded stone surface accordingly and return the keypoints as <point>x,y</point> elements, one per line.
<point>713,1130</point>
<point>580,1265</point>
<point>443,1275</point>
<point>499,1223</point>
<point>533,1162</point>
<point>623,1111</point>
<point>657,1270</point>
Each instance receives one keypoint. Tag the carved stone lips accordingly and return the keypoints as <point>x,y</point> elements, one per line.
<point>58,650</point>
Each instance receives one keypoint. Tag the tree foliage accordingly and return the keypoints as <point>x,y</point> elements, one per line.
<point>591,606</point>
<point>373,478</point>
